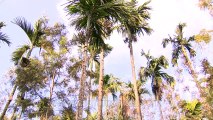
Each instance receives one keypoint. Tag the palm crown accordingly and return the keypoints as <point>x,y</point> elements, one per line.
<point>34,34</point>
<point>179,42</point>
<point>154,71</point>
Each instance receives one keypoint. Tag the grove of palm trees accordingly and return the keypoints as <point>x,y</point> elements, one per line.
<point>74,69</point>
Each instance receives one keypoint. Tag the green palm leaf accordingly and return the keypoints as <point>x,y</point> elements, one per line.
<point>24,25</point>
<point>4,37</point>
<point>16,55</point>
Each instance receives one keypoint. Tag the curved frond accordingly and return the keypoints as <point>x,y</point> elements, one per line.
<point>163,62</point>
<point>74,69</point>
<point>38,32</point>
<point>175,56</point>
<point>24,25</point>
<point>4,38</point>
<point>191,51</point>
<point>18,53</point>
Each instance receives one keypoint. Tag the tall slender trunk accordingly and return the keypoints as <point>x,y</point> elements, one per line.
<point>123,108</point>
<point>79,113</point>
<point>160,108</point>
<point>51,92</point>
<point>8,102</point>
<point>89,96</point>
<point>107,107</point>
<point>100,88</point>
<point>121,104</point>
<point>192,71</point>
<point>52,86</point>
<point>134,81</point>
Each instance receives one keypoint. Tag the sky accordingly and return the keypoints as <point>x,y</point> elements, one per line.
<point>165,16</point>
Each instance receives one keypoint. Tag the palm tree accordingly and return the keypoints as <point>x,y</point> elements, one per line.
<point>132,28</point>
<point>110,86</point>
<point>94,58</point>
<point>89,13</point>
<point>182,46</point>
<point>155,73</point>
<point>4,37</point>
<point>129,95</point>
<point>35,36</point>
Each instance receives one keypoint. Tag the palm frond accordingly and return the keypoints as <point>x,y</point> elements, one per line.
<point>163,62</point>
<point>4,38</point>
<point>38,32</point>
<point>18,53</point>
<point>191,51</point>
<point>175,56</point>
<point>24,25</point>
<point>74,69</point>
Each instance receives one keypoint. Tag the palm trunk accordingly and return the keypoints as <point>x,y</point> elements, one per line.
<point>192,71</point>
<point>137,99</point>
<point>52,86</point>
<point>160,108</point>
<point>51,93</point>
<point>121,104</point>
<point>81,91</point>
<point>89,96</point>
<point>100,88</point>
<point>79,113</point>
<point>107,107</point>
<point>8,102</point>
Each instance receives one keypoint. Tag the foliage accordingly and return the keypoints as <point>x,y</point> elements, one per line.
<point>4,37</point>
<point>208,95</point>
<point>31,78</point>
<point>203,36</point>
<point>129,92</point>
<point>48,85</point>
<point>192,110</point>
<point>68,113</point>
<point>110,86</point>
<point>179,41</point>
<point>154,71</point>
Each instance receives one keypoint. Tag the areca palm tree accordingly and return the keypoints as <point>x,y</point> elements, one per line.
<point>129,95</point>
<point>110,86</point>
<point>94,58</point>
<point>89,13</point>
<point>35,37</point>
<point>132,28</point>
<point>183,46</point>
<point>154,71</point>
